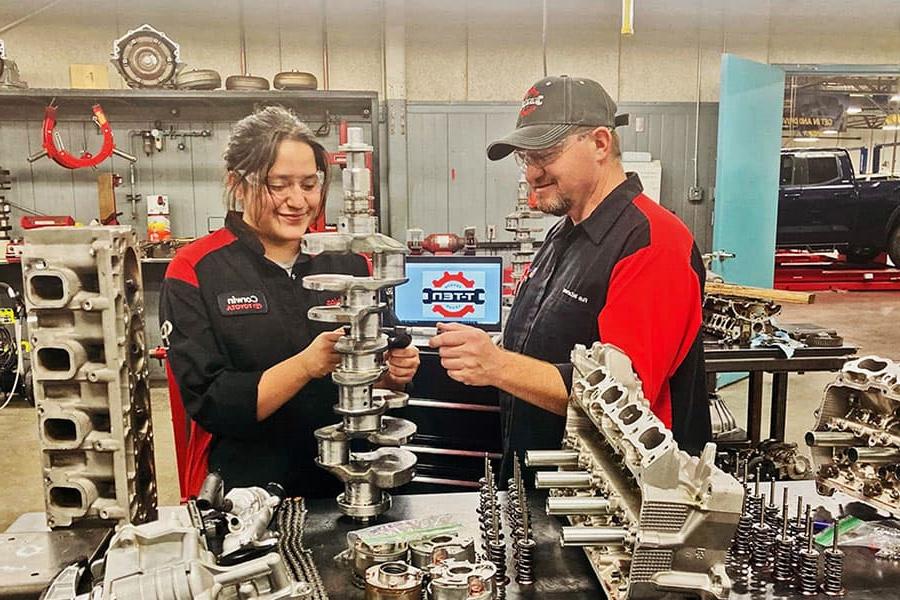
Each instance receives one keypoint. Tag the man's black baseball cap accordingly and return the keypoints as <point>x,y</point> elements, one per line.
<point>552,109</point>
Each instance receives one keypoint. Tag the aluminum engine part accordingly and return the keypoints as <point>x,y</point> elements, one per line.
<point>169,560</point>
<point>856,441</point>
<point>85,304</point>
<point>394,581</point>
<point>724,425</point>
<point>458,580</point>
<point>365,474</point>
<point>146,58</point>
<point>670,516</point>
<point>737,320</point>
<point>518,224</point>
<point>362,557</point>
<point>424,553</point>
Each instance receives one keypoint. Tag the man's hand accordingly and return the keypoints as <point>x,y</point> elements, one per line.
<point>468,354</point>
<point>402,366</point>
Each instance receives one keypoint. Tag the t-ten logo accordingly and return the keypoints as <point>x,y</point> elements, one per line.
<point>533,98</point>
<point>453,296</point>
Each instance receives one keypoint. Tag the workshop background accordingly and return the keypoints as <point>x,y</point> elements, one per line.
<point>449,77</point>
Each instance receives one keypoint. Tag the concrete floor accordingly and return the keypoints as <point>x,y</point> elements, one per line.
<point>870,320</point>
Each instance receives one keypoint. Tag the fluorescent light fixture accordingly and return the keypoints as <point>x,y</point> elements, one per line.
<point>895,98</point>
<point>830,131</point>
<point>890,127</point>
<point>853,110</point>
<point>806,139</point>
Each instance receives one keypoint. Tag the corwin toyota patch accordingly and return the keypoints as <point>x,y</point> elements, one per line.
<point>252,302</point>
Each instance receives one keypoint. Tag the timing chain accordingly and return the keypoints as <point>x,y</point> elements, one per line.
<point>291,521</point>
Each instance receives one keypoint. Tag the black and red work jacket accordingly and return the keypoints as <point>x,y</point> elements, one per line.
<point>629,275</point>
<point>228,314</point>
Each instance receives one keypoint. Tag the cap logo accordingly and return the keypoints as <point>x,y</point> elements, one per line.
<point>533,98</point>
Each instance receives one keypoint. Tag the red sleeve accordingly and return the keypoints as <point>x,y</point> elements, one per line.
<point>653,314</point>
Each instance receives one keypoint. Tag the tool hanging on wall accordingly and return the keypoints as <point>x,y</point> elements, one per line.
<point>9,71</point>
<point>146,58</point>
<point>53,145</point>
<point>154,139</point>
<point>106,196</point>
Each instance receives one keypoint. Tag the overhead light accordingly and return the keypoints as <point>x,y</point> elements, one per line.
<point>854,110</point>
<point>829,131</point>
<point>806,139</point>
<point>895,98</point>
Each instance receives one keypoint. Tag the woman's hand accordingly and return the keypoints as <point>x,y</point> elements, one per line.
<point>320,358</point>
<point>402,366</point>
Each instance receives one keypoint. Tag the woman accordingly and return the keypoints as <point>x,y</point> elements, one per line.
<point>252,369</point>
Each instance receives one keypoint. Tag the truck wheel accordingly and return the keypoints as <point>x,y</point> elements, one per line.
<point>894,246</point>
<point>860,254</point>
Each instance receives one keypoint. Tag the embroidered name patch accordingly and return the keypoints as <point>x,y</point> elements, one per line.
<point>242,303</point>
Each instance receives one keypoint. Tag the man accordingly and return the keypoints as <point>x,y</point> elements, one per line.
<point>617,268</point>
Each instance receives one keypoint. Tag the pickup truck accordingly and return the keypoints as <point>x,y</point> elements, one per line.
<point>821,204</point>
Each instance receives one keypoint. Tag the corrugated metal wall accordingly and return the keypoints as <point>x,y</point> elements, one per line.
<point>451,184</point>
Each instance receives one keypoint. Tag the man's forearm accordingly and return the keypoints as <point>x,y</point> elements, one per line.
<point>534,381</point>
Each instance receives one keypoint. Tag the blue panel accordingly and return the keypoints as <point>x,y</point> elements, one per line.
<point>750,109</point>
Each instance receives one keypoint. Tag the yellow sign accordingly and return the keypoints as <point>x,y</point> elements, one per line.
<point>7,316</point>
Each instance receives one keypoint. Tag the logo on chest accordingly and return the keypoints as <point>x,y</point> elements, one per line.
<point>575,296</point>
<point>251,302</point>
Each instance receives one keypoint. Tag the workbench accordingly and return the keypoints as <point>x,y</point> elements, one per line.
<point>727,358</point>
<point>561,573</point>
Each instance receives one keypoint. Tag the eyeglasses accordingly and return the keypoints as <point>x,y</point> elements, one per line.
<point>280,189</point>
<point>542,158</point>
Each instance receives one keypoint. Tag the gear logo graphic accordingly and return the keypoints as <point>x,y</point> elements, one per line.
<point>453,295</point>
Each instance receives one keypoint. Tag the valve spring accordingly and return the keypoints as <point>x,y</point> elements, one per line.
<point>783,571</point>
<point>755,507</point>
<point>743,535</point>
<point>497,555</point>
<point>773,517</point>
<point>740,579</point>
<point>833,585</point>
<point>808,572</point>
<point>525,562</point>
<point>798,546</point>
<point>763,540</point>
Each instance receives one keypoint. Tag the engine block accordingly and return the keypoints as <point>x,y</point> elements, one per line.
<point>856,441</point>
<point>654,521</point>
<point>85,304</point>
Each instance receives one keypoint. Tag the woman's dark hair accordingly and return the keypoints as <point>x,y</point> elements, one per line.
<point>253,146</point>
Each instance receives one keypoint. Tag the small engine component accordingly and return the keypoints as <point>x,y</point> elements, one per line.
<point>763,541</point>
<point>736,320</point>
<point>456,580</point>
<point>424,553</point>
<point>363,557</point>
<point>833,585</point>
<point>854,445</point>
<point>146,58</point>
<point>198,79</point>
<point>782,571</point>
<point>669,505</point>
<point>294,80</point>
<point>246,83</point>
<point>724,425</point>
<point>394,581</point>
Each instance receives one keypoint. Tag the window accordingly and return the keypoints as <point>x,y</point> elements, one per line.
<point>821,170</point>
<point>787,170</point>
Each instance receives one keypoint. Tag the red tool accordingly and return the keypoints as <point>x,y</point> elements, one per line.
<point>53,146</point>
<point>36,222</point>
<point>443,243</point>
